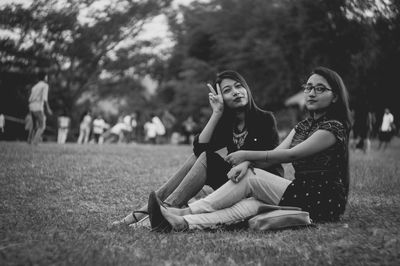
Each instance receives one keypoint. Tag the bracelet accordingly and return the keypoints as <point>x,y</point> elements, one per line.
<point>266,156</point>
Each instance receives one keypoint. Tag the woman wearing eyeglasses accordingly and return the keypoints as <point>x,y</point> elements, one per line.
<point>317,147</point>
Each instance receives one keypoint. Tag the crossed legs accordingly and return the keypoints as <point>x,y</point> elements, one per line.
<point>230,203</point>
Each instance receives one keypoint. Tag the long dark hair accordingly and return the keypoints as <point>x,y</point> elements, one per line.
<point>339,110</point>
<point>251,106</point>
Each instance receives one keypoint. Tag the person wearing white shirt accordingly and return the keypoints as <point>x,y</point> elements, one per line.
<point>63,128</point>
<point>38,103</point>
<point>98,129</point>
<point>150,132</point>
<point>84,128</point>
<point>159,127</point>
<point>2,122</point>
<point>386,130</point>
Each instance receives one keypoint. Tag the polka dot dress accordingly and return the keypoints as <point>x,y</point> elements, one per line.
<point>320,186</point>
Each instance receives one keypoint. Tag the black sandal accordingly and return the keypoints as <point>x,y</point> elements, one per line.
<point>157,221</point>
<point>136,219</point>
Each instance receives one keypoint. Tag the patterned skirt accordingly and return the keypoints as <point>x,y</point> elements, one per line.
<point>322,195</point>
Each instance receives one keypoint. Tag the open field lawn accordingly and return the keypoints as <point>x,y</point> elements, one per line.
<point>56,203</point>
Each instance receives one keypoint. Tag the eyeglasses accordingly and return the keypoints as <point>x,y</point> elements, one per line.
<point>318,88</point>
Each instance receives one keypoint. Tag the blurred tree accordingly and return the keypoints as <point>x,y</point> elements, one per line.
<point>79,55</point>
<point>274,44</point>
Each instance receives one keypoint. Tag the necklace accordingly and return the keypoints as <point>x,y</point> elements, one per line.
<point>239,138</point>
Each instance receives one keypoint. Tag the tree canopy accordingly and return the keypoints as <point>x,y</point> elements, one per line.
<point>82,57</point>
<point>274,44</point>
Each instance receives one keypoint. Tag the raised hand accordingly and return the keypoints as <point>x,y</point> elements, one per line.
<point>215,99</point>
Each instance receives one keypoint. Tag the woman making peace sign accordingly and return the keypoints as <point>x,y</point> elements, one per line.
<point>318,149</point>
<point>236,124</point>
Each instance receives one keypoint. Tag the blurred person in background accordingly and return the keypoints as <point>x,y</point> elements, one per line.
<point>169,122</point>
<point>188,129</point>
<point>99,125</point>
<point>63,128</point>
<point>84,128</point>
<point>387,129</point>
<point>2,123</point>
<point>150,131</point>
<point>38,105</point>
<point>160,129</point>
<point>127,119</point>
<point>116,133</point>
<point>362,129</point>
<point>134,125</point>
<point>236,123</point>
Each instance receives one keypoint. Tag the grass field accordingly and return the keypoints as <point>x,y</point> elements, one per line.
<point>56,203</point>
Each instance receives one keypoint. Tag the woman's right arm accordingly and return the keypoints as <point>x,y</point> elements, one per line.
<point>207,140</point>
<point>207,132</point>
<point>217,105</point>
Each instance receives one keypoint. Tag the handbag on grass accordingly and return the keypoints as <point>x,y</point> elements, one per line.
<point>273,217</point>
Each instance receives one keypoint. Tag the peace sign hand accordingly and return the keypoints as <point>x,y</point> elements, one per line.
<point>215,99</point>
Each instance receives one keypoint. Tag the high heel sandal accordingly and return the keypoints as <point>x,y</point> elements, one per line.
<point>157,221</point>
<point>136,219</point>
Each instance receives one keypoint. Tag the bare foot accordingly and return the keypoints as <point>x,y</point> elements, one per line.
<point>177,222</point>
<point>117,223</point>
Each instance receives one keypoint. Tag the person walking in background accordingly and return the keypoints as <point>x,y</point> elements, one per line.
<point>236,123</point>
<point>117,132</point>
<point>160,129</point>
<point>84,128</point>
<point>150,131</point>
<point>99,125</point>
<point>362,128</point>
<point>63,128</point>
<point>38,104</point>
<point>169,121</point>
<point>318,149</point>
<point>387,129</point>
<point>372,125</point>
<point>134,125</point>
<point>127,119</point>
<point>2,123</point>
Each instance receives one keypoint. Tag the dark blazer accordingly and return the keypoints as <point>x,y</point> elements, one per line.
<point>262,135</point>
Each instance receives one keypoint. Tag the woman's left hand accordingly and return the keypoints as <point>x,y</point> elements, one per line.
<point>238,172</point>
<point>236,157</point>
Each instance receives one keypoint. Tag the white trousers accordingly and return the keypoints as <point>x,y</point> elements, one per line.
<point>62,135</point>
<point>235,202</point>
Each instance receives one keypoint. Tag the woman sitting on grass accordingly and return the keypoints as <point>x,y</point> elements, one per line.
<point>236,123</point>
<point>318,149</point>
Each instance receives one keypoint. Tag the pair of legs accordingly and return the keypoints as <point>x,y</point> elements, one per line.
<point>231,203</point>
<point>38,127</point>
<point>180,188</point>
<point>384,139</point>
<point>62,135</point>
<point>84,132</point>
